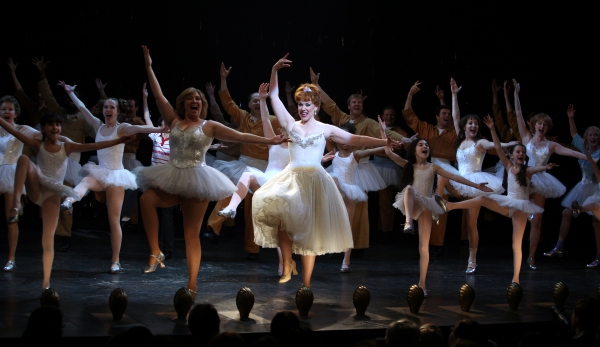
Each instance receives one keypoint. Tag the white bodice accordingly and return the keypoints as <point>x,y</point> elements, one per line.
<point>111,157</point>
<point>423,181</point>
<point>10,147</point>
<point>343,168</point>
<point>188,146</point>
<point>469,160</point>
<point>538,157</point>
<point>279,158</point>
<point>306,151</point>
<point>53,165</point>
<point>515,189</point>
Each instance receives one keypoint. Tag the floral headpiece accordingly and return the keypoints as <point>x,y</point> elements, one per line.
<point>306,90</point>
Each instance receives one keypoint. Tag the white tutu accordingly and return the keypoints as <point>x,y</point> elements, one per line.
<point>547,185</point>
<point>200,182</point>
<point>108,177</point>
<point>580,193</point>
<point>493,183</point>
<point>421,203</point>
<point>262,177</point>
<point>7,178</point>
<point>350,191</point>
<point>129,161</point>
<point>367,177</point>
<point>73,175</point>
<point>49,187</point>
<point>513,204</point>
<point>389,171</point>
<point>499,170</point>
<point>235,168</point>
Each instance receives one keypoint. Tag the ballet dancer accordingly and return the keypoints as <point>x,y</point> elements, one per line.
<point>515,204</point>
<point>109,175</point>
<point>44,182</point>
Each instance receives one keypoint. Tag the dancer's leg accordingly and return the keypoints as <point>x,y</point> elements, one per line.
<point>280,270</point>
<point>424,235</point>
<point>565,225</point>
<point>193,214</point>
<point>536,225</point>
<point>472,215</point>
<point>308,265</point>
<point>114,202</point>
<point>25,176</point>
<point>596,226</point>
<point>519,221</point>
<point>150,200</point>
<point>246,181</point>
<point>409,203</point>
<point>87,183</point>
<point>285,246</point>
<point>350,207</point>
<point>50,210</point>
<point>13,229</point>
<point>479,201</point>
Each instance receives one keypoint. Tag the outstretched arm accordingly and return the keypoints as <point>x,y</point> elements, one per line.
<point>263,93</point>
<point>455,109</point>
<point>166,110</point>
<point>560,150</point>
<point>485,145</point>
<point>523,131</point>
<point>29,141</point>
<point>571,115</point>
<point>283,116</point>
<point>89,118</point>
<point>489,122</point>
<point>71,147</point>
<point>223,133</point>
<point>481,186</point>
<point>388,151</point>
<point>368,152</point>
<point>532,170</point>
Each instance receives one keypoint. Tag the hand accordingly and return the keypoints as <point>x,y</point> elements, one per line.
<point>364,97</point>
<point>571,111</point>
<point>279,139</point>
<point>314,77</point>
<point>506,88</point>
<point>454,87</point>
<point>67,88</point>
<point>147,58</point>
<point>40,63</point>
<point>512,143</point>
<point>489,122</point>
<point>495,88</point>
<point>263,91</point>
<point>289,89</point>
<point>210,89</point>
<point>439,92</point>
<point>127,139</point>
<point>225,72</point>
<point>216,146</point>
<point>393,144</point>
<point>328,157</point>
<point>12,66</point>
<point>100,85</point>
<point>408,140</point>
<point>482,186</point>
<point>144,90</point>
<point>415,88</point>
<point>551,166</point>
<point>517,86</point>
<point>283,62</point>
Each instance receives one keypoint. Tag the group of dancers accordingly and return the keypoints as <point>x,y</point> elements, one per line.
<point>296,206</point>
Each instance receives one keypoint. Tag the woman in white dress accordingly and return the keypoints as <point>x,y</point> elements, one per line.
<point>515,204</point>
<point>300,209</point>
<point>186,179</point>
<point>44,182</point>
<point>539,150</point>
<point>109,175</point>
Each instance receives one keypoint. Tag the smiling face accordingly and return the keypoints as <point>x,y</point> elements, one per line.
<point>192,106</point>
<point>388,117</point>
<point>131,108</point>
<point>52,130</point>
<point>444,117</point>
<point>471,129</point>
<point>541,128</point>
<point>254,104</point>
<point>8,112</point>
<point>306,109</point>
<point>110,110</point>
<point>591,136</point>
<point>518,154</point>
<point>422,149</point>
<point>355,106</point>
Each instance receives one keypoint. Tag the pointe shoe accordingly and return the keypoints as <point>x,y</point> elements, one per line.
<point>160,258</point>
<point>115,268</point>
<point>471,268</point>
<point>227,213</point>
<point>13,219</point>
<point>409,228</point>
<point>288,276</point>
<point>576,209</point>
<point>593,264</point>
<point>435,219</point>
<point>345,268</point>
<point>555,252</point>
<point>531,263</point>
<point>443,203</point>
<point>67,205</point>
<point>280,270</point>
<point>425,293</point>
<point>10,265</point>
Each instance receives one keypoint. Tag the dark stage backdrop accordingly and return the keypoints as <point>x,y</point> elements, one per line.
<point>379,47</point>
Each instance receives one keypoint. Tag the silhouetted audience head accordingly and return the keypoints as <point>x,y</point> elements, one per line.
<point>134,336</point>
<point>227,339</point>
<point>467,329</point>
<point>204,323</point>
<point>283,322</point>
<point>586,315</point>
<point>431,336</point>
<point>44,323</point>
<point>267,341</point>
<point>402,333</point>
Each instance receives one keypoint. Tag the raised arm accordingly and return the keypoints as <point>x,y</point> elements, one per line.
<point>13,74</point>
<point>89,117</point>
<point>263,93</point>
<point>439,92</point>
<point>147,118</point>
<point>340,136</point>
<point>489,122</point>
<point>388,151</point>
<point>413,90</point>
<point>560,150</point>
<point>523,131</point>
<point>571,115</point>
<point>166,110</point>
<point>532,170</point>
<point>101,87</point>
<point>314,79</point>
<point>455,109</point>
<point>224,73</point>
<point>283,116</point>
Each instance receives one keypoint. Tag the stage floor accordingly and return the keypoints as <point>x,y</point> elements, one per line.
<point>388,269</point>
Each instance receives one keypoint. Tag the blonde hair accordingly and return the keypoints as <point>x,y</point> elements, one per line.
<point>179,103</point>
<point>542,117</point>
<point>308,91</point>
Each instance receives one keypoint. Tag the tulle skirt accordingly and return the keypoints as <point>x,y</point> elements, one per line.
<point>513,204</point>
<point>235,168</point>
<point>307,204</point>
<point>493,182</point>
<point>263,177</point>
<point>129,161</point>
<point>73,175</point>
<point>200,182</point>
<point>580,193</point>
<point>547,185</point>
<point>350,191</point>
<point>7,178</point>
<point>367,178</point>
<point>390,171</point>
<point>49,187</point>
<point>108,177</point>
<point>421,203</point>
